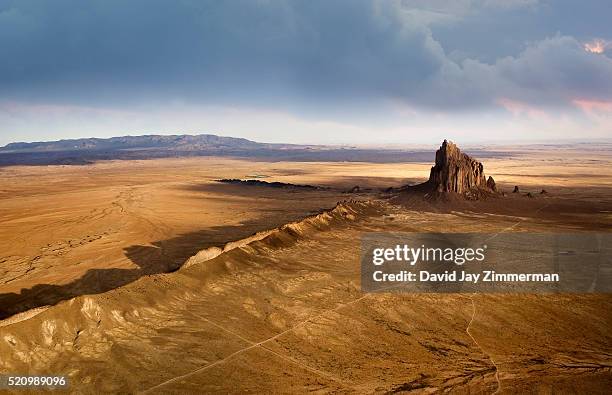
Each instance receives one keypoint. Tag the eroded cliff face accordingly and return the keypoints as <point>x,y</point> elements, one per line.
<point>457,172</point>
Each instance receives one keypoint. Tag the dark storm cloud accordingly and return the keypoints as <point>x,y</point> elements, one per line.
<point>324,53</point>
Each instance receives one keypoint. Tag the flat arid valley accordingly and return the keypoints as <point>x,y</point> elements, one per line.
<point>305,197</point>
<point>178,275</point>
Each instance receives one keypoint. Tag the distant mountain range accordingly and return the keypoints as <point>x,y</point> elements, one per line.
<point>89,150</point>
<point>180,143</point>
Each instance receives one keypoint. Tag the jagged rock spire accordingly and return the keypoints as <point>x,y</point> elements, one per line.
<point>457,172</point>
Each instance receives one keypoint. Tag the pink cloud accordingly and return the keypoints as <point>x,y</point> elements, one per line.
<point>596,46</point>
<point>592,106</point>
<point>518,108</point>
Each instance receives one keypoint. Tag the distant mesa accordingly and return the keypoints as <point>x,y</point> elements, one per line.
<point>274,184</point>
<point>90,150</point>
<point>458,173</point>
<point>182,142</point>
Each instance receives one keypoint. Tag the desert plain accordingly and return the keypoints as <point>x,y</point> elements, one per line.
<point>109,275</point>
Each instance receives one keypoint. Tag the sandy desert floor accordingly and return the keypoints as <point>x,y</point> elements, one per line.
<point>285,313</point>
<point>92,228</point>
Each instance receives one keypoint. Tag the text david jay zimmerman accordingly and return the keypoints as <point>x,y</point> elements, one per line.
<point>412,256</point>
<point>491,263</point>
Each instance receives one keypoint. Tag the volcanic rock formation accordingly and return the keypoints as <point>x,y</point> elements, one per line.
<point>491,184</point>
<point>457,172</point>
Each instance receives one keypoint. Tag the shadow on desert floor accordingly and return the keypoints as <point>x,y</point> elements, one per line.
<point>161,256</point>
<point>168,255</point>
<point>333,186</point>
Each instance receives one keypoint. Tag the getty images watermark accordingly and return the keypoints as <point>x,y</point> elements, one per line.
<point>477,262</point>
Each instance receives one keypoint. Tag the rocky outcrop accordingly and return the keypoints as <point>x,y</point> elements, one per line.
<point>274,184</point>
<point>491,184</point>
<point>459,173</point>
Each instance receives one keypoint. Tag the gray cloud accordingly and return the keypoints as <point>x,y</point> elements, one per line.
<point>305,56</point>
<point>549,73</point>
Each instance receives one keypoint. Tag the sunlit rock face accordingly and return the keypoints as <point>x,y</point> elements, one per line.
<point>457,172</point>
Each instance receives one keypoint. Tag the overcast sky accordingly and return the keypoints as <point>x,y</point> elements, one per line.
<point>315,71</point>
